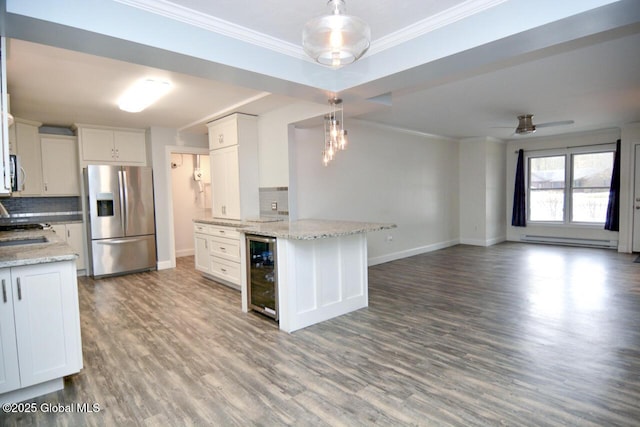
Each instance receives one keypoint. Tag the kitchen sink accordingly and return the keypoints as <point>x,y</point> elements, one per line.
<point>28,241</point>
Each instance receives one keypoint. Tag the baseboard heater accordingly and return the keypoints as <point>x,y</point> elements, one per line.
<point>570,241</point>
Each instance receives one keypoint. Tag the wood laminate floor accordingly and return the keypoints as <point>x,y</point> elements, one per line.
<point>514,334</point>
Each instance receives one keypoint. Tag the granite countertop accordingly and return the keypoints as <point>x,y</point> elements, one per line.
<point>309,229</point>
<point>54,249</point>
<point>234,222</point>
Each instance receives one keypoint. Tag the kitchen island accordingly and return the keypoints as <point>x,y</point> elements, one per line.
<point>321,268</point>
<point>40,340</point>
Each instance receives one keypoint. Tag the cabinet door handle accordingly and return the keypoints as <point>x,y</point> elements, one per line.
<point>4,291</point>
<point>224,270</point>
<point>46,188</point>
<point>117,154</point>
<point>19,289</point>
<point>223,249</point>
<point>221,138</point>
<point>205,245</point>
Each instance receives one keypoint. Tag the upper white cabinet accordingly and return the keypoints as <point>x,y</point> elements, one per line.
<point>60,175</point>
<point>5,178</point>
<point>235,176</point>
<point>49,162</point>
<point>112,146</point>
<point>27,146</point>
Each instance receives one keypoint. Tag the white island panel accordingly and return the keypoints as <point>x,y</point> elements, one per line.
<point>321,279</point>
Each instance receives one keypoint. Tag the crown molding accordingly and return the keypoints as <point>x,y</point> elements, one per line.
<point>439,20</point>
<point>211,23</point>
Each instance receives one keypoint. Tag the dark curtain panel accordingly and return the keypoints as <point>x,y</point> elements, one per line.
<point>613,209</point>
<point>519,215</point>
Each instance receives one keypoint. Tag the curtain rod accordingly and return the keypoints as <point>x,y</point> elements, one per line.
<point>575,146</point>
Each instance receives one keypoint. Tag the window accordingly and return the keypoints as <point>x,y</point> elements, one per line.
<point>569,187</point>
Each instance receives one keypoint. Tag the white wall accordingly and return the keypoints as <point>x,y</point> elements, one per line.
<point>159,139</point>
<point>189,199</point>
<point>496,173</point>
<point>273,140</point>
<point>473,203</point>
<point>482,191</point>
<point>384,176</point>
<point>559,141</point>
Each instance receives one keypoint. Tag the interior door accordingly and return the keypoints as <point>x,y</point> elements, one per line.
<point>636,203</point>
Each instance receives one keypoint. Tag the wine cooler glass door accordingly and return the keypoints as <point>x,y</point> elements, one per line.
<point>262,275</point>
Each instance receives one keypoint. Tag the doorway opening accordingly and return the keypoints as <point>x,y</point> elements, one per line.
<point>191,191</point>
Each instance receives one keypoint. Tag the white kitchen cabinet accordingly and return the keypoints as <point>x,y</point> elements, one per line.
<point>60,167</point>
<point>225,182</point>
<point>9,368</point>
<point>225,132</point>
<point>46,320</point>
<point>201,239</point>
<point>73,234</point>
<point>235,176</point>
<point>28,148</point>
<point>112,146</point>
<point>218,253</point>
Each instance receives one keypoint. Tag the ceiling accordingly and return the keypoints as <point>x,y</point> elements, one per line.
<point>452,68</point>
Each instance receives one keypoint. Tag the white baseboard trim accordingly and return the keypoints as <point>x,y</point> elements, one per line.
<point>480,242</point>
<point>185,252</point>
<point>411,252</point>
<point>165,265</point>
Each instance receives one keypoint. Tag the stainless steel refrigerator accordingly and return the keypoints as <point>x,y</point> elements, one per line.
<point>121,219</point>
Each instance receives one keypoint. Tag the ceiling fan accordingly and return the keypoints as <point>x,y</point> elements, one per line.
<point>526,126</point>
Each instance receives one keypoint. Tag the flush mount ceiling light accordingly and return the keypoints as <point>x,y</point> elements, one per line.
<point>335,135</point>
<point>142,94</point>
<point>336,39</point>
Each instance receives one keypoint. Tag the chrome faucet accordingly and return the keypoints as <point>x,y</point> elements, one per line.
<point>3,211</point>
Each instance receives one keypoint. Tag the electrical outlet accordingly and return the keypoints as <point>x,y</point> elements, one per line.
<point>274,206</point>
<point>389,238</point>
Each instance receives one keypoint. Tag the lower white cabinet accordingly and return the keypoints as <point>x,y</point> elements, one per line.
<point>40,329</point>
<point>218,252</point>
<point>73,234</point>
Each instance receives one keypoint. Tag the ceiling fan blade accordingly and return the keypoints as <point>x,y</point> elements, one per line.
<point>551,124</point>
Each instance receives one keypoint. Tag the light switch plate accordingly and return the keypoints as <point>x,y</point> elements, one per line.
<point>274,206</point>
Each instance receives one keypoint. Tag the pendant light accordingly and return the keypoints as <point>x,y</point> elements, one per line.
<point>336,39</point>
<point>335,135</point>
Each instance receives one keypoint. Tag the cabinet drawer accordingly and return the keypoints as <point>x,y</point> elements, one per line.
<point>200,228</point>
<point>225,269</point>
<point>227,232</point>
<point>225,248</point>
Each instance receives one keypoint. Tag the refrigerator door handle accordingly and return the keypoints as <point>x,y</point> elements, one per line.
<point>119,241</point>
<point>122,178</point>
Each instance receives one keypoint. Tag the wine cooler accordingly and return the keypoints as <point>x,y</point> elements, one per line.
<point>262,275</point>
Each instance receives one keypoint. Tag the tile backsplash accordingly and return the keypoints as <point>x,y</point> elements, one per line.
<point>18,206</point>
<point>277,195</point>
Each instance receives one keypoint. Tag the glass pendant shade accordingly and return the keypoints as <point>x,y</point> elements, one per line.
<point>336,39</point>
<point>335,135</point>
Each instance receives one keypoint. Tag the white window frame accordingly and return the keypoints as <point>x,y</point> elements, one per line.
<point>568,153</point>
